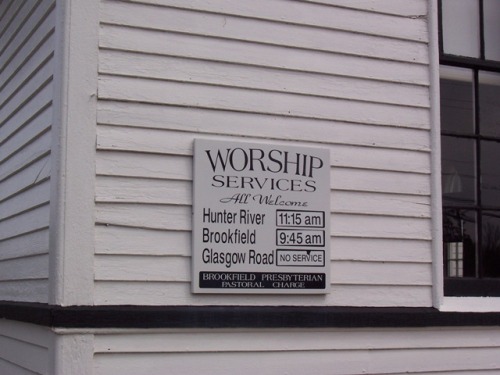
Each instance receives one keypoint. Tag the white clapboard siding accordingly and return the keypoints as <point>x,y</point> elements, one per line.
<point>414,8</point>
<point>22,179</point>
<point>349,77</point>
<point>26,134</point>
<point>336,351</point>
<point>32,290</point>
<point>26,93</point>
<point>19,12</point>
<point>263,31</point>
<point>26,154</point>
<point>26,268</point>
<point>29,244</point>
<point>31,109</point>
<point>25,222</point>
<point>118,240</point>
<point>22,94</point>
<point>161,191</point>
<point>206,121</point>
<point>261,340</point>
<point>304,13</point>
<point>116,163</point>
<point>166,217</point>
<point>340,362</point>
<point>134,190</point>
<point>380,250</point>
<point>181,143</point>
<point>22,25</point>
<point>24,348</point>
<point>161,142</point>
<point>380,181</point>
<point>176,217</point>
<point>179,293</point>
<point>205,48</point>
<point>258,78</point>
<point>32,197</point>
<point>265,102</point>
<point>38,28</point>
<point>351,202</point>
<point>39,56</point>
<point>176,269</point>
<point>368,226</point>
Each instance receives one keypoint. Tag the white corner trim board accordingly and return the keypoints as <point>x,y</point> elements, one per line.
<point>72,246</point>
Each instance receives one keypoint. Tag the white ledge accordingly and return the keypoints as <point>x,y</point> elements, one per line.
<point>470,304</point>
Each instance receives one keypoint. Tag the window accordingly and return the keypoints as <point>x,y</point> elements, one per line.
<point>470,142</point>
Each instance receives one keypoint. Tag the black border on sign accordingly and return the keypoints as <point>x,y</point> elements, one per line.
<point>238,316</point>
<point>322,213</point>
<point>299,265</point>
<point>278,230</point>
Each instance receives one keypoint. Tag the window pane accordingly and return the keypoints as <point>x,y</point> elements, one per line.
<point>491,244</point>
<point>456,100</point>
<point>458,171</point>
<point>490,174</point>
<point>461,27</point>
<point>489,103</point>
<point>492,29</point>
<point>460,239</point>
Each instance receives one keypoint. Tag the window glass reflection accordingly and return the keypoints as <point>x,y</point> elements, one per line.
<point>491,244</point>
<point>456,87</point>
<point>458,171</point>
<point>489,103</point>
<point>490,174</point>
<point>460,239</point>
<point>492,29</point>
<point>461,27</point>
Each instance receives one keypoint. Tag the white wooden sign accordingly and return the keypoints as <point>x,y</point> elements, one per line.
<point>261,218</point>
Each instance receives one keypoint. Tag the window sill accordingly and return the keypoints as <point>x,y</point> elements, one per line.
<point>470,304</point>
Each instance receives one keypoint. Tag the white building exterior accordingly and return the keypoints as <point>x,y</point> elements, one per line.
<point>100,102</point>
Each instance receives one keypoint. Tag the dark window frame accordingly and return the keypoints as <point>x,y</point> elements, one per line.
<point>471,286</point>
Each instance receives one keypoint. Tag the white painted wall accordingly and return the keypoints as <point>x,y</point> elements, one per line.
<point>24,348</point>
<point>26,118</point>
<point>325,351</point>
<point>28,349</point>
<point>349,76</point>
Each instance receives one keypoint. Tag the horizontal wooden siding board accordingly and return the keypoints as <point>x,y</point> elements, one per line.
<point>118,240</point>
<point>180,143</point>
<point>24,354</point>
<point>25,268</point>
<point>164,191</point>
<point>33,197</point>
<point>23,179</point>
<point>231,75</point>
<point>32,290</point>
<point>176,269</point>
<point>257,101</point>
<point>28,244</point>
<point>311,339</point>
<point>179,293</point>
<point>213,121</point>
<point>206,48</point>
<point>311,14</point>
<point>318,362</point>
<point>267,32</point>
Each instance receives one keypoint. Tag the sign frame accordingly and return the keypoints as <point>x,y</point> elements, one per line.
<point>252,203</point>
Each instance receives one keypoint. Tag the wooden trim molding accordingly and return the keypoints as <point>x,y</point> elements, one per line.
<point>239,316</point>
